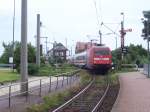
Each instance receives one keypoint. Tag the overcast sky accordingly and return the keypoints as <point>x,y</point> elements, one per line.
<point>74,20</point>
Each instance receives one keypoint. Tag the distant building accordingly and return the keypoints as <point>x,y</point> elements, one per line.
<point>82,46</point>
<point>58,51</point>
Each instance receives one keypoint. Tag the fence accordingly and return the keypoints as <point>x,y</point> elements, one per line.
<point>37,87</point>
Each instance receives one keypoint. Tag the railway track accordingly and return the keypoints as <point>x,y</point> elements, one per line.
<point>88,100</point>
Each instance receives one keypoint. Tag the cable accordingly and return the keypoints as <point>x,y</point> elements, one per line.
<point>100,7</point>
<point>97,16</point>
<point>110,29</point>
<point>117,27</point>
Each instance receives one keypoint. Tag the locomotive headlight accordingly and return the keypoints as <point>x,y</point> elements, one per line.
<point>106,59</point>
<point>96,59</point>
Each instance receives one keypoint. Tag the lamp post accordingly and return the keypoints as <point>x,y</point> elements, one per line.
<point>13,36</point>
<point>38,41</point>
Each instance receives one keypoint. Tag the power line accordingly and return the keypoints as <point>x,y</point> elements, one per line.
<point>97,16</point>
<point>110,29</point>
<point>117,27</point>
<point>100,7</point>
<point>98,22</point>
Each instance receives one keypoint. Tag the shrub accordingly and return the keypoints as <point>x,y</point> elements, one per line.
<point>33,69</point>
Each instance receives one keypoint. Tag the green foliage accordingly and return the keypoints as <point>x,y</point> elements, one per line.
<point>49,102</point>
<point>17,54</point>
<point>135,55</point>
<point>84,77</point>
<point>42,60</point>
<point>17,45</point>
<point>113,79</point>
<point>8,48</point>
<point>55,60</point>
<point>146,23</point>
<point>46,70</point>
<point>17,48</point>
<point>33,69</point>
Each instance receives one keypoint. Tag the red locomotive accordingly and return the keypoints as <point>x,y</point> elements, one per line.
<point>97,58</point>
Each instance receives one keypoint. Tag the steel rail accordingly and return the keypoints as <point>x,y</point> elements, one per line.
<point>72,99</point>
<point>75,97</point>
<point>101,100</point>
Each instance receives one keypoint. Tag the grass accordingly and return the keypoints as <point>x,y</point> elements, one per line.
<point>113,78</point>
<point>53,100</point>
<point>8,76</point>
<point>51,70</point>
<point>49,102</point>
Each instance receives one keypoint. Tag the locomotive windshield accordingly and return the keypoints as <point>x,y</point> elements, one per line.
<point>102,52</point>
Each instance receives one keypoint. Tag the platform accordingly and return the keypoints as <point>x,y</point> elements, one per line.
<point>134,95</point>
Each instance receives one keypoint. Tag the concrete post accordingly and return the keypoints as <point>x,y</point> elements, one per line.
<point>38,41</point>
<point>24,63</point>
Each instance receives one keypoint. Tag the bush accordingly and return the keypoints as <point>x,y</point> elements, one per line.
<point>33,69</point>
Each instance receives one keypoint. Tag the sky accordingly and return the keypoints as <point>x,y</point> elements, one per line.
<point>69,21</point>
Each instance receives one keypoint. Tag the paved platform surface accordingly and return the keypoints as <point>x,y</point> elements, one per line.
<point>134,93</point>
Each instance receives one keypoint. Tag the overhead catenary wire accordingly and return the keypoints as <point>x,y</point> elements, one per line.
<point>117,27</point>
<point>98,22</point>
<point>97,14</point>
<point>110,29</point>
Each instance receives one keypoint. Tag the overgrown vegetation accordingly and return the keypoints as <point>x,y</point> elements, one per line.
<point>53,100</point>
<point>8,50</point>
<point>46,70</point>
<point>50,101</point>
<point>135,55</point>
<point>113,78</point>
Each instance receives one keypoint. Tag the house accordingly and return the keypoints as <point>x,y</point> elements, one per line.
<point>58,51</point>
<point>83,46</point>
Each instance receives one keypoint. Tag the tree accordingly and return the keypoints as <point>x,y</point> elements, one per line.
<point>17,45</point>
<point>31,54</point>
<point>146,23</point>
<point>8,52</point>
<point>135,55</point>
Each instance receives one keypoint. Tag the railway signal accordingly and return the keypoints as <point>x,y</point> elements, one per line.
<point>123,33</point>
<point>124,50</point>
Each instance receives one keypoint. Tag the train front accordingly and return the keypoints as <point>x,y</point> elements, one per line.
<point>101,58</point>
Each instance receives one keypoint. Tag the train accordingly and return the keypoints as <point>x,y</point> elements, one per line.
<point>96,58</point>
